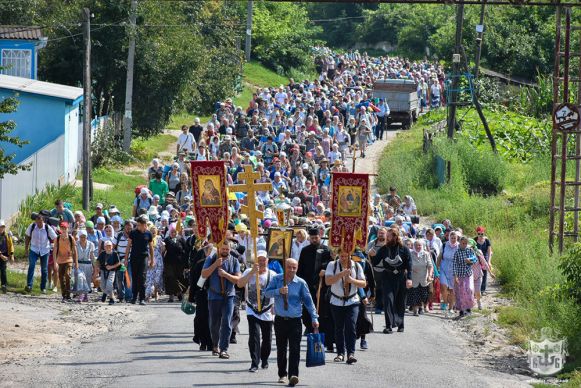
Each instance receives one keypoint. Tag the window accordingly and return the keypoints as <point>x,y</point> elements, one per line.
<point>17,62</point>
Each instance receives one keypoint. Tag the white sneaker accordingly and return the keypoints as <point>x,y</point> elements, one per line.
<point>43,292</point>
<point>55,289</point>
<point>479,305</point>
<point>283,380</point>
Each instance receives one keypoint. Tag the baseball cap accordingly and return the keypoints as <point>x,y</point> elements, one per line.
<point>99,206</point>
<point>261,254</point>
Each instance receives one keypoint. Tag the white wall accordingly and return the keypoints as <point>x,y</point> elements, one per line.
<point>48,166</point>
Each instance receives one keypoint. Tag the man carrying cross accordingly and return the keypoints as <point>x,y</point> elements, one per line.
<point>259,319</point>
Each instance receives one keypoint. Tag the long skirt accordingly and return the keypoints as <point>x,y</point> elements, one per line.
<point>464,292</point>
<point>173,276</point>
<point>417,296</point>
<point>435,294</point>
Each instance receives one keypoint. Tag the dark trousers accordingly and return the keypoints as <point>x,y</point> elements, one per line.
<point>484,279</point>
<point>345,318</point>
<point>288,334</point>
<point>380,127</point>
<point>139,271</point>
<point>202,319</point>
<point>3,279</point>
<point>394,296</point>
<point>65,279</point>
<point>236,314</point>
<point>378,291</point>
<point>258,351</point>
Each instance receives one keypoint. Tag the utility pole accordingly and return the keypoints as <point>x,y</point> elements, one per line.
<point>128,116</point>
<point>455,71</point>
<point>480,31</point>
<point>86,108</point>
<point>248,44</point>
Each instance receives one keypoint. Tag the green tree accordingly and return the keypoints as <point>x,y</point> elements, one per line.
<point>7,166</point>
<point>186,52</point>
<point>283,36</point>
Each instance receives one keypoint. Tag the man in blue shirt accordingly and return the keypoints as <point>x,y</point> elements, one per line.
<point>287,323</point>
<point>382,117</point>
<point>222,271</point>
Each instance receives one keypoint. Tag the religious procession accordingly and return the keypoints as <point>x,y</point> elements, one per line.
<point>262,214</point>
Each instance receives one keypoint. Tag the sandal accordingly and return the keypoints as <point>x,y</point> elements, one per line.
<point>215,352</point>
<point>339,358</point>
<point>224,355</point>
<point>351,359</point>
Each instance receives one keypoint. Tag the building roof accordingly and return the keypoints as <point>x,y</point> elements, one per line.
<point>21,32</point>
<point>26,85</point>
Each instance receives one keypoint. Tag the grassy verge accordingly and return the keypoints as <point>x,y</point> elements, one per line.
<point>144,150</point>
<point>516,219</point>
<point>17,283</point>
<point>255,76</point>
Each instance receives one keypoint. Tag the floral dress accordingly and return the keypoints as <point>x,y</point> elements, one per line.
<point>155,275</point>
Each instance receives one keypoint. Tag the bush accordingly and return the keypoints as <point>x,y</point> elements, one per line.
<point>571,266</point>
<point>107,148</point>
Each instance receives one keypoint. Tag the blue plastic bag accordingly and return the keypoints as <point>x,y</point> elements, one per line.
<point>315,349</point>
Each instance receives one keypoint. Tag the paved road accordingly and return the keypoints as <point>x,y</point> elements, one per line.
<point>160,353</point>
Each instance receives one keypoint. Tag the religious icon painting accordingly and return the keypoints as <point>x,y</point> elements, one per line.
<point>279,243</point>
<point>349,210</point>
<point>209,186</point>
<point>350,201</point>
<point>209,198</point>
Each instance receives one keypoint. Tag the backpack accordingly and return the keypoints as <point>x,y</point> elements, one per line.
<point>56,245</point>
<point>45,228</point>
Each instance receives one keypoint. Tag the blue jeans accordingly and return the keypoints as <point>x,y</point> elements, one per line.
<point>345,318</point>
<point>220,316</point>
<point>32,258</point>
<point>123,292</point>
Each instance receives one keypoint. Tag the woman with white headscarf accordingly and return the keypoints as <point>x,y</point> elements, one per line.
<point>86,258</point>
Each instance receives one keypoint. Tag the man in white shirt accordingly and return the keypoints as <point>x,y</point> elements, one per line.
<point>186,141</point>
<point>299,242</point>
<point>259,321</point>
<point>281,96</point>
<point>39,236</point>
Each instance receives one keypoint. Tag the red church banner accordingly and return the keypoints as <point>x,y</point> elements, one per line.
<point>349,207</point>
<point>210,198</point>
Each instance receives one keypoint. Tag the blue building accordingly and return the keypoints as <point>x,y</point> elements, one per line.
<point>19,47</point>
<point>48,116</point>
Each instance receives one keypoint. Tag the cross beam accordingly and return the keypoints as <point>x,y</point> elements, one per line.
<point>251,188</point>
<point>553,3</point>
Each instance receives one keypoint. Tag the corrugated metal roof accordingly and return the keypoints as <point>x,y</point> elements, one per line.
<point>20,32</point>
<point>39,87</point>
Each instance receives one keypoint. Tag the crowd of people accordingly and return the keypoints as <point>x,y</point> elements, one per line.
<point>294,136</point>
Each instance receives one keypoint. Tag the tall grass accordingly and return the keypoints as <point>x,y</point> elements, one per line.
<point>516,218</point>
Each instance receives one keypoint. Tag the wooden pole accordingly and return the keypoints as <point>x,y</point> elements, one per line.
<point>86,107</point>
<point>128,116</point>
<point>285,297</point>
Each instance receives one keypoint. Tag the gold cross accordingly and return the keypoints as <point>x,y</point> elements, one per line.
<point>250,188</point>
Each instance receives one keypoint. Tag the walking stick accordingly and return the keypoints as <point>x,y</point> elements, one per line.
<point>319,293</point>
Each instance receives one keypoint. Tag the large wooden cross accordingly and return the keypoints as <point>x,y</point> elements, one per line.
<point>251,188</point>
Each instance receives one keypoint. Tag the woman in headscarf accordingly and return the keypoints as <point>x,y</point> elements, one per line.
<point>174,264</point>
<point>464,258</point>
<point>154,279</point>
<point>109,235</point>
<point>363,132</point>
<point>422,275</point>
<point>87,264</point>
<point>79,220</point>
<point>446,267</point>
<point>409,206</point>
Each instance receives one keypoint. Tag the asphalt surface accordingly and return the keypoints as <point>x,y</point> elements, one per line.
<point>159,352</point>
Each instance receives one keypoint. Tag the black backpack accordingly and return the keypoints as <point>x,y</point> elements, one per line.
<point>45,228</point>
